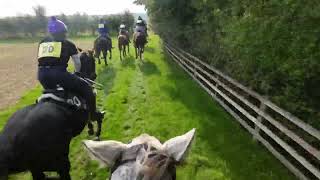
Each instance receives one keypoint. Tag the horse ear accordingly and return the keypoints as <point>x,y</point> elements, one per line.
<point>79,49</point>
<point>177,147</point>
<point>106,152</point>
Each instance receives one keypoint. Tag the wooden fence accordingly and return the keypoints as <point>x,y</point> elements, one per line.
<point>295,143</point>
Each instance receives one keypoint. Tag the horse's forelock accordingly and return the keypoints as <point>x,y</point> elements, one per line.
<point>146,139</point>
<point>155,163</point>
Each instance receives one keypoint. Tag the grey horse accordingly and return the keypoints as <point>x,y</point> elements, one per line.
<point>145,158</point>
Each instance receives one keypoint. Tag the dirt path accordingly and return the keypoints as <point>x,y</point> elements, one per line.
<point>17,71</point>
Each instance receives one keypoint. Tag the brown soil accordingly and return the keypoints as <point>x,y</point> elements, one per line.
<point>18,67</point>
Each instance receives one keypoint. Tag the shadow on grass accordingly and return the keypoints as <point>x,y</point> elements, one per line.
<point>150,49</point>
<point>228,147</point>
<point>128,62</point>
<point>106,77</point>
<point>148,68</point>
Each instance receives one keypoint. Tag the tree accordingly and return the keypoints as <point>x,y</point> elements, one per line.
<point>270,46</point>
<point>128,19</point>
<point>40,18</point>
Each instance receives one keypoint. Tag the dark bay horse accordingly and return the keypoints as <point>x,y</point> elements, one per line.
<point>88,70</point>
<point>103,45</point>
<point>123,43</point>
<point>139,42</point>
<point>37,138</point>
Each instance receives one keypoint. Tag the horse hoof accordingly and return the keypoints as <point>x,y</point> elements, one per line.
<point>96,138</point>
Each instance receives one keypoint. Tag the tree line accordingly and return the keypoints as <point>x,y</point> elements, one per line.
<point>78,24</point>
<point>270,46</point>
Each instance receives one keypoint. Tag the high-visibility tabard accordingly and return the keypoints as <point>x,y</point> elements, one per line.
<point>101,25</point>
<point>50,49</point>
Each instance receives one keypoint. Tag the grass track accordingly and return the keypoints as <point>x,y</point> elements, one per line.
<point>157,97</point>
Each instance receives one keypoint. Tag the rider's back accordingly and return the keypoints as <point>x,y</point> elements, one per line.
<point>67,49</point>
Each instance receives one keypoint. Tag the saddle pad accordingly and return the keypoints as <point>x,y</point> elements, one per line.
<point>70,100</point>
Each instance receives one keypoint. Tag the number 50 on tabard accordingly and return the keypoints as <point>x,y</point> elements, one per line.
<point>50,49</point>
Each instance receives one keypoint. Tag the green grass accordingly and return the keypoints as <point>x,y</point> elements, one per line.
<point>157,97</point>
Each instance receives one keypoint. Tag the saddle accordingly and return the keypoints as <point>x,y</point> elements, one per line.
<point>61,96</point>
<point>140,36</point>
<point>103,42</point>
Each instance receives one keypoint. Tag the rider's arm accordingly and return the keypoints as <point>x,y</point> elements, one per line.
<point>76,62</point>
<point>73,52</point>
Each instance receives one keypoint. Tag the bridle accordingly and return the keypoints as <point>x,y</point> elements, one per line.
<point>130,155</point>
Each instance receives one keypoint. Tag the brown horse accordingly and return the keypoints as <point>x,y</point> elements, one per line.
<point>102,44</point>
<point>123,43</point>
<point>139,41</point>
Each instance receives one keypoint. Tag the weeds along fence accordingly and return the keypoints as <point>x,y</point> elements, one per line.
<point>295,143</point>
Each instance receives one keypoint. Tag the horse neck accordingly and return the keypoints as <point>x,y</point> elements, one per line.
<point>4,148</point>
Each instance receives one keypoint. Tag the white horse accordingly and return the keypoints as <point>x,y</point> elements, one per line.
<point>145,158</point>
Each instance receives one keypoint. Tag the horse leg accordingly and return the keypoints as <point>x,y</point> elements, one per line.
<point>110,54</point>
<point>140,53</point>
<point>136,49</point>
<point>38,175</point>
<point>97,55</point>
<point>98,133</point>
<point>4,175</point>
<point>90,127</point>
<point>128,46</point>
<point>120,49</point>
<point>105,54</point>
<point>64,172</point>
<point>124,51</point>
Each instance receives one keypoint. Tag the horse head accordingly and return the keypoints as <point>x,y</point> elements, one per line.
<point>145,158</point>
<point>88,68</point>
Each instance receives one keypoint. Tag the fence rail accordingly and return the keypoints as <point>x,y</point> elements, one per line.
<point>263,119</point>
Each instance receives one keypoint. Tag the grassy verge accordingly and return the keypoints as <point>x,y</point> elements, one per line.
<point>157,97</point>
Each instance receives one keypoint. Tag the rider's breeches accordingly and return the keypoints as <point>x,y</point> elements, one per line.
<point>51,77</point>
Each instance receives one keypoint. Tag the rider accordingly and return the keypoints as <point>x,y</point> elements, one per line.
<point>103,29</point>
<point>141,26</point>
<point>123,31</point>
<point>53,56</point>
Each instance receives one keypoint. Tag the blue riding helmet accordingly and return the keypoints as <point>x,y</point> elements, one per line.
<point>103,27</point>
<point>56,26</point>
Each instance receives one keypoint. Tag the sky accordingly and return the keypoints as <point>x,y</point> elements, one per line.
<point>55,7</point>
